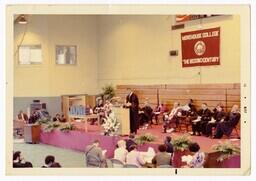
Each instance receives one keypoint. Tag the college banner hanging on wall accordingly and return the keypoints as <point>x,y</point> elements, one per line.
<point>201,48</point>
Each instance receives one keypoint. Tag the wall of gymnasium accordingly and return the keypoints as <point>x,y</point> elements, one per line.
<point>135,50</point>
<point>49,81</point>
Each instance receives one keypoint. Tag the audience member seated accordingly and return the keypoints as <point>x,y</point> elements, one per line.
<point>134,157</point>
<point>172,118</point>
<point>197,159</point>
<point>57,118</point>
<point>218,115</point>
<point>226,126</point>
<point>145,115</point>
<point>162,157</point>
<point>50,162</point>
<point>33,117</point>
<point>94,155</point>
<point>19,161</point>
<point>130,141</point>
<point>204,116</point>
<point>168,144</point>
<point>22,117</point>
<point>121,152</point>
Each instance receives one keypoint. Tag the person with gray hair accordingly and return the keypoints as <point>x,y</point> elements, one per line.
<point>225,127</point>
<point>121,152</point>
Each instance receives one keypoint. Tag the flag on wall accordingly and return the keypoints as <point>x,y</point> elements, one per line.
<point>201,48</point>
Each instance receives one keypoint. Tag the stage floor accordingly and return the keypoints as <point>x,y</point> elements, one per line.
<point>156,130</point>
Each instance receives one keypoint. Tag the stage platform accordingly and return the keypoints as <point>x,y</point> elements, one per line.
<point>78,139</point>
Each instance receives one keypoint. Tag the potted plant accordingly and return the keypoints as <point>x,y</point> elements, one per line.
<point>66,127</point>
<point>108,92</point>
<point>226,154</point>
<point>49,126</point>
<point>180,145</point>
<point>142,139</point>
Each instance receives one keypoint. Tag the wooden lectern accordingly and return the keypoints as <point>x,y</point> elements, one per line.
<point>32,133</point>
<point>123,116</point>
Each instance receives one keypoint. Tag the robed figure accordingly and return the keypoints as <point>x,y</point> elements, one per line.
<point>132,102</point>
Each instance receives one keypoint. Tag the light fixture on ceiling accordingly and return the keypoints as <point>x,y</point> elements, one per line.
<point>21,19</point>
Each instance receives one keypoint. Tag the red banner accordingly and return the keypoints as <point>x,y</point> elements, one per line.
<point>201,48</point>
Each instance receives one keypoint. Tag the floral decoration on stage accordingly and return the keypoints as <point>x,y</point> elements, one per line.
<point>111,125</point>
<point>227,150</point>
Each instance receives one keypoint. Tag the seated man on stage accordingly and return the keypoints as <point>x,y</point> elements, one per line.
<point>188,113</point>
<point>204,116</point>
<point>145,115</point>
<point>172,118</point>
<point>99,110</point>
<point>226,126</point>
<point>218,115</point>
<point>159,109</point>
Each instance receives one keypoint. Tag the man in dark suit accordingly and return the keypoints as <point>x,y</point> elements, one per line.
<point>226,126</point>
<point>218,115</point>
<point>204,116</point>
<point>132,102</point>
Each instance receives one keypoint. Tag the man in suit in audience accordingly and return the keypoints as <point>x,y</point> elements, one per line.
<point>19,161</point>
<point>94,155</point>
<point>132,102</point>
<point>226,126</point>
<point>130,141</point>
<point>204,116</point>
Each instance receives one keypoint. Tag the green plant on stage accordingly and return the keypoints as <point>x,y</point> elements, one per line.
<point>145,138</point>
<point>227,149</point>
<point>66,127</point>
<point>43,121</point>
<point>108,91</point>
<point>49,126</point>
<point>181,143</point>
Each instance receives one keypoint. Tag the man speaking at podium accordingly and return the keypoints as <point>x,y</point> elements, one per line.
<point>132,102</point>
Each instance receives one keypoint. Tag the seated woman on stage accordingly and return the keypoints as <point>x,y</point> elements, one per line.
<point>99,110</point>
<point>218,115</point>
<point>145,115</point>
<point>226,126</point>
<point>204,116</point>
<point>172,118</point>
<point>121,152</point>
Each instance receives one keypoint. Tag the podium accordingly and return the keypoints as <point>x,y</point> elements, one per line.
<point>123,116</point>
<point>31,133</point>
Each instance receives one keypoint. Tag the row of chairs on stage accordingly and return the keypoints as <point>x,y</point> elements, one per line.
<point>184,118</point>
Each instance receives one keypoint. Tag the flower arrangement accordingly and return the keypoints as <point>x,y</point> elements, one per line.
<point>227,149</point>
<point>182,142</point>
<point>49,126</point>
<point>145,138</point>
<point>43,121</point>
<point>111,124</point>
<point>66,127</point>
